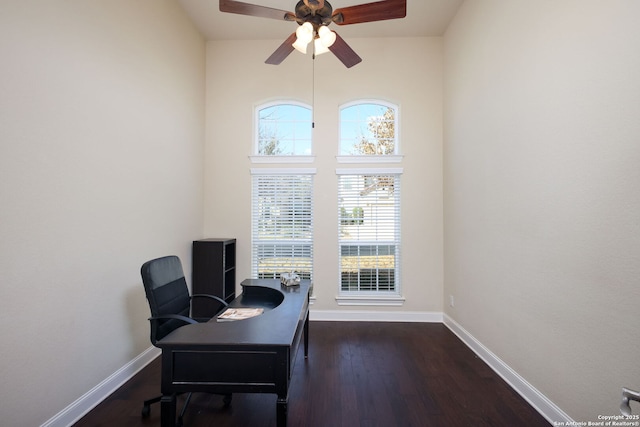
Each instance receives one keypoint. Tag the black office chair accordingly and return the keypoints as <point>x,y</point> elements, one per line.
<point>170,305</point>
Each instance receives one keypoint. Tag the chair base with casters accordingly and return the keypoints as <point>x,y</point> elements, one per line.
<point>170,304</point>
<point>146,406</point>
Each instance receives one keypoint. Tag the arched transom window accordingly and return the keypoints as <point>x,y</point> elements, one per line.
<point>368,128</point>
<point>283,129</point>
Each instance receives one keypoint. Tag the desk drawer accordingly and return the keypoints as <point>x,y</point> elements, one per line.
<point>225,367</point>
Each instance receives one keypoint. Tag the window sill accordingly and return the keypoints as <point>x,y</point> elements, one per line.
<point>370,299</point>
<point>282,159</point>
<point>370,159</point>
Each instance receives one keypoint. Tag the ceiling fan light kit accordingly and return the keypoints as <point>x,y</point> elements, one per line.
<point>323,39</point>
<point>313,17</point>
<point>326,36</point>
<point>319,48</point>
<point>304,35</point>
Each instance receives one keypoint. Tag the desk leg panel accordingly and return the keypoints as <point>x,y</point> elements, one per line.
<point>281,411</point>
<point>168,410</point>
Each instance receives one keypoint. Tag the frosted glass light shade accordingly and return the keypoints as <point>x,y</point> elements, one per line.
<point>300,46</point>
<point>327,36</point>
<point>319,47</point>
<point>304,34</point>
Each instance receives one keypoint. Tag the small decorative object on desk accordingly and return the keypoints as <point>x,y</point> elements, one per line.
<point>231,314</point>
<point>290,279</point>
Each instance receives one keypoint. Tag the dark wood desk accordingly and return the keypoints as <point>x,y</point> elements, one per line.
<point>254,355</point>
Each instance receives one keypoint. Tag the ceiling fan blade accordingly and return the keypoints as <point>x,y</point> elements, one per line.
<point>282,52</point>
<point>343,51</point>
<point>370,12</point>
<point>241,8</point>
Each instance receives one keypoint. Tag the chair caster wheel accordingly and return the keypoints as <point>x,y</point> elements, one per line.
<point>146,411</point>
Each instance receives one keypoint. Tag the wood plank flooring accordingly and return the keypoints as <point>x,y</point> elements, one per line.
<point>368,374</point>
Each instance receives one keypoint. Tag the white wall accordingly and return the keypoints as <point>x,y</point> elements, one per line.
<point>407,72</point>
<point>101,144</point>
<point>542,192</point>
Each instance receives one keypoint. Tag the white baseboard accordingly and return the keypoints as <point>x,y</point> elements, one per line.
<point>375,316</point>
<point>72,413</point>
<point>537,400</point>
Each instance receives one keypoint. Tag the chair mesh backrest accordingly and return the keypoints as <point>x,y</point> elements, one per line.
<point>167,293</point>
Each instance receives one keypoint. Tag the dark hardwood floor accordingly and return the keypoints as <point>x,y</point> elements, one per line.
<point>357,374</point>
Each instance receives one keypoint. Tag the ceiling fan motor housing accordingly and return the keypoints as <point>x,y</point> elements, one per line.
<point>317,13</point>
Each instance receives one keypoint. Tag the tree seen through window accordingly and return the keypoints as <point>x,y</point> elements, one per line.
<point>368,129</point>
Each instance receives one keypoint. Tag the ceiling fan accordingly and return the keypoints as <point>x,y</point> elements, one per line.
<point>313,18</point>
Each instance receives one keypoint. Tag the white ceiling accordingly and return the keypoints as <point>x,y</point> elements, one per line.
<point>424,18</point>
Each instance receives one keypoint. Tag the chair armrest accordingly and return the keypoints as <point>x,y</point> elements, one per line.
<point>174,316</point>
<point>220,300</point>
<point>154,324</point>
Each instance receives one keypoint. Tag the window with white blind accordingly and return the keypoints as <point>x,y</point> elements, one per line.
<point>282,222</point>
<point>369,230</point>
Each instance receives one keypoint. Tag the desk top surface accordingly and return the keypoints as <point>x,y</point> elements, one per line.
<point>285,307</point>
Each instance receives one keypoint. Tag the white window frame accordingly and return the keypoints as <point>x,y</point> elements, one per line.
<point>255,239</point>
<point>376,297</point>
<point>283,159</point>
<point>362,158</point>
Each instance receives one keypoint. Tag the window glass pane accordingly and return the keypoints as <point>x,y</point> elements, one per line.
<point>369,232</point>
<point>284,130</point>
<point>368,129</point>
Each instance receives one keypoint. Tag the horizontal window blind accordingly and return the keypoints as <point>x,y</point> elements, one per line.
<point>369,232</point>
<point>282,225</point>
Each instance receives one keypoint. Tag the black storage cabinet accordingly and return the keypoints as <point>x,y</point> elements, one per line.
<point>214,273</point>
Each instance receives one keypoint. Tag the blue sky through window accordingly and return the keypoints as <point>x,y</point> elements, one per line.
<point>284,129</point>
